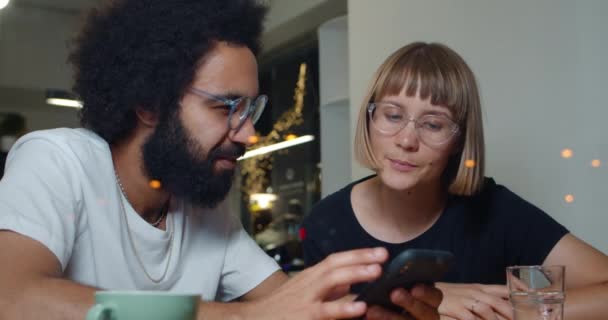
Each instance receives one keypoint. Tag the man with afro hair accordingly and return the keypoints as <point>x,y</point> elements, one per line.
<point>134,199</point>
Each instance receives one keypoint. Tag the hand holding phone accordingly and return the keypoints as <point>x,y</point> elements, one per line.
<point>410,267</point>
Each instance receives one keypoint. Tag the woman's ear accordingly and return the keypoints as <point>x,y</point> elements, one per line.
<point>146,117</point>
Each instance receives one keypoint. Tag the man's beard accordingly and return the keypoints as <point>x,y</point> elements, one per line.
<point>172,156</point>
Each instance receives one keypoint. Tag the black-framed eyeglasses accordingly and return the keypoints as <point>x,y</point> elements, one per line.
<point>243,107</point>
<point>433,130</point>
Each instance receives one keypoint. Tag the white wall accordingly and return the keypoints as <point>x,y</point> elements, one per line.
<point>335,105</point>
<point>289,20</point>
<point>541,67</point>
<point>34,41</point>
<point>33,57</point>
<point>33,47</point>
<point>285,11</point>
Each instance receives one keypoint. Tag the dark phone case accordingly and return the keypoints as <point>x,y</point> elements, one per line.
<point>410,267</point>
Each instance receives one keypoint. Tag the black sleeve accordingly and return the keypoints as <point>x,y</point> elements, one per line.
<point>530,233</point>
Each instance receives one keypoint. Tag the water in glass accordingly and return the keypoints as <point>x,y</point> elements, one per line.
<point>538,305</point>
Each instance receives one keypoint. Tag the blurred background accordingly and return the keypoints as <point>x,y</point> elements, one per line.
<point>541,66</point>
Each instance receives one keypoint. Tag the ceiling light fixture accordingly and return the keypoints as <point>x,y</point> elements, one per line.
<point>277,146</point>
<point>3,4</point>
<point>62,98</point>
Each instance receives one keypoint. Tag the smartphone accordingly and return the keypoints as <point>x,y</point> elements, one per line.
<point>410,267</point>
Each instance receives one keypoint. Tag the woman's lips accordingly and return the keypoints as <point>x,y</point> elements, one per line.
<point>402,166</point>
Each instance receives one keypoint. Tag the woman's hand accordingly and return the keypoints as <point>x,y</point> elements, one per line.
<point>420,303</point>
<point>474,301</point>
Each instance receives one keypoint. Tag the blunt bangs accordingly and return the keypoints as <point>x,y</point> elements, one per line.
<point>428,71</point>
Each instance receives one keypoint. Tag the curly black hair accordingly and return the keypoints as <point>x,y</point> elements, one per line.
<point>144,53</point>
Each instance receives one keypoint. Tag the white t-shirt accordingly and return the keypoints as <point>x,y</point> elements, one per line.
<point>59,188</point>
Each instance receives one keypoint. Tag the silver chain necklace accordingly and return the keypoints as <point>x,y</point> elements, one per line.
<point>163,210</point>
<point>139,260</point>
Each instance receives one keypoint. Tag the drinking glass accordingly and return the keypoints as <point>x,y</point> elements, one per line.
<point>536,292</point>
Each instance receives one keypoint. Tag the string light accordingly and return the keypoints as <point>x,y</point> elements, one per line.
<point>469,163</point>
<point>569,198</point>
<point>155,184</point>
<point>277,146</point>
<point>254,139</point>
<point>567,153</point>
<point>596,163</point>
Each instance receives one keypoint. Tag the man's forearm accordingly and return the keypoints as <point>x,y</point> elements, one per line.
<point>48,298</point>
<point>221,311</point>
<point>247,309</point>
<point>60,299</point>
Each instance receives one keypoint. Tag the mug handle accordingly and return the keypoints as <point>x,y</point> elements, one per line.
<point>97,311</point>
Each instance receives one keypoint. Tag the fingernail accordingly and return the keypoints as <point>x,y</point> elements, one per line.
<point>371,268</point>
<point>399,294</point>
<point>379,252</point>
<point>355,306</point>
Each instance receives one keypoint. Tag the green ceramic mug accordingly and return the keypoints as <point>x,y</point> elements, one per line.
<point>143,305</point>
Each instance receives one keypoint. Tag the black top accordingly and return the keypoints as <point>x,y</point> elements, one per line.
<point>486,232</point>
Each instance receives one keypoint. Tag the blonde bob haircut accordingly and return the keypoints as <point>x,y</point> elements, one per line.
<point>433,71</point>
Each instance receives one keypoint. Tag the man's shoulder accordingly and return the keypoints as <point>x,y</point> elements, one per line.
<point>64,136</point>
<point>76,140</point>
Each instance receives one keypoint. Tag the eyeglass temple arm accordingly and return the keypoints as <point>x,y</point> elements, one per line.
<point>227,101</point>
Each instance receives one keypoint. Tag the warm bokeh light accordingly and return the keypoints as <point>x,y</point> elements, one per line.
<point>596,163</point>
<point>569,198</point>
<point>469,163</point>
<point>254,139</point>
<point>567,153</point>
<point>262,201</point>
<point>290,136</point>
<point>155,184</point>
